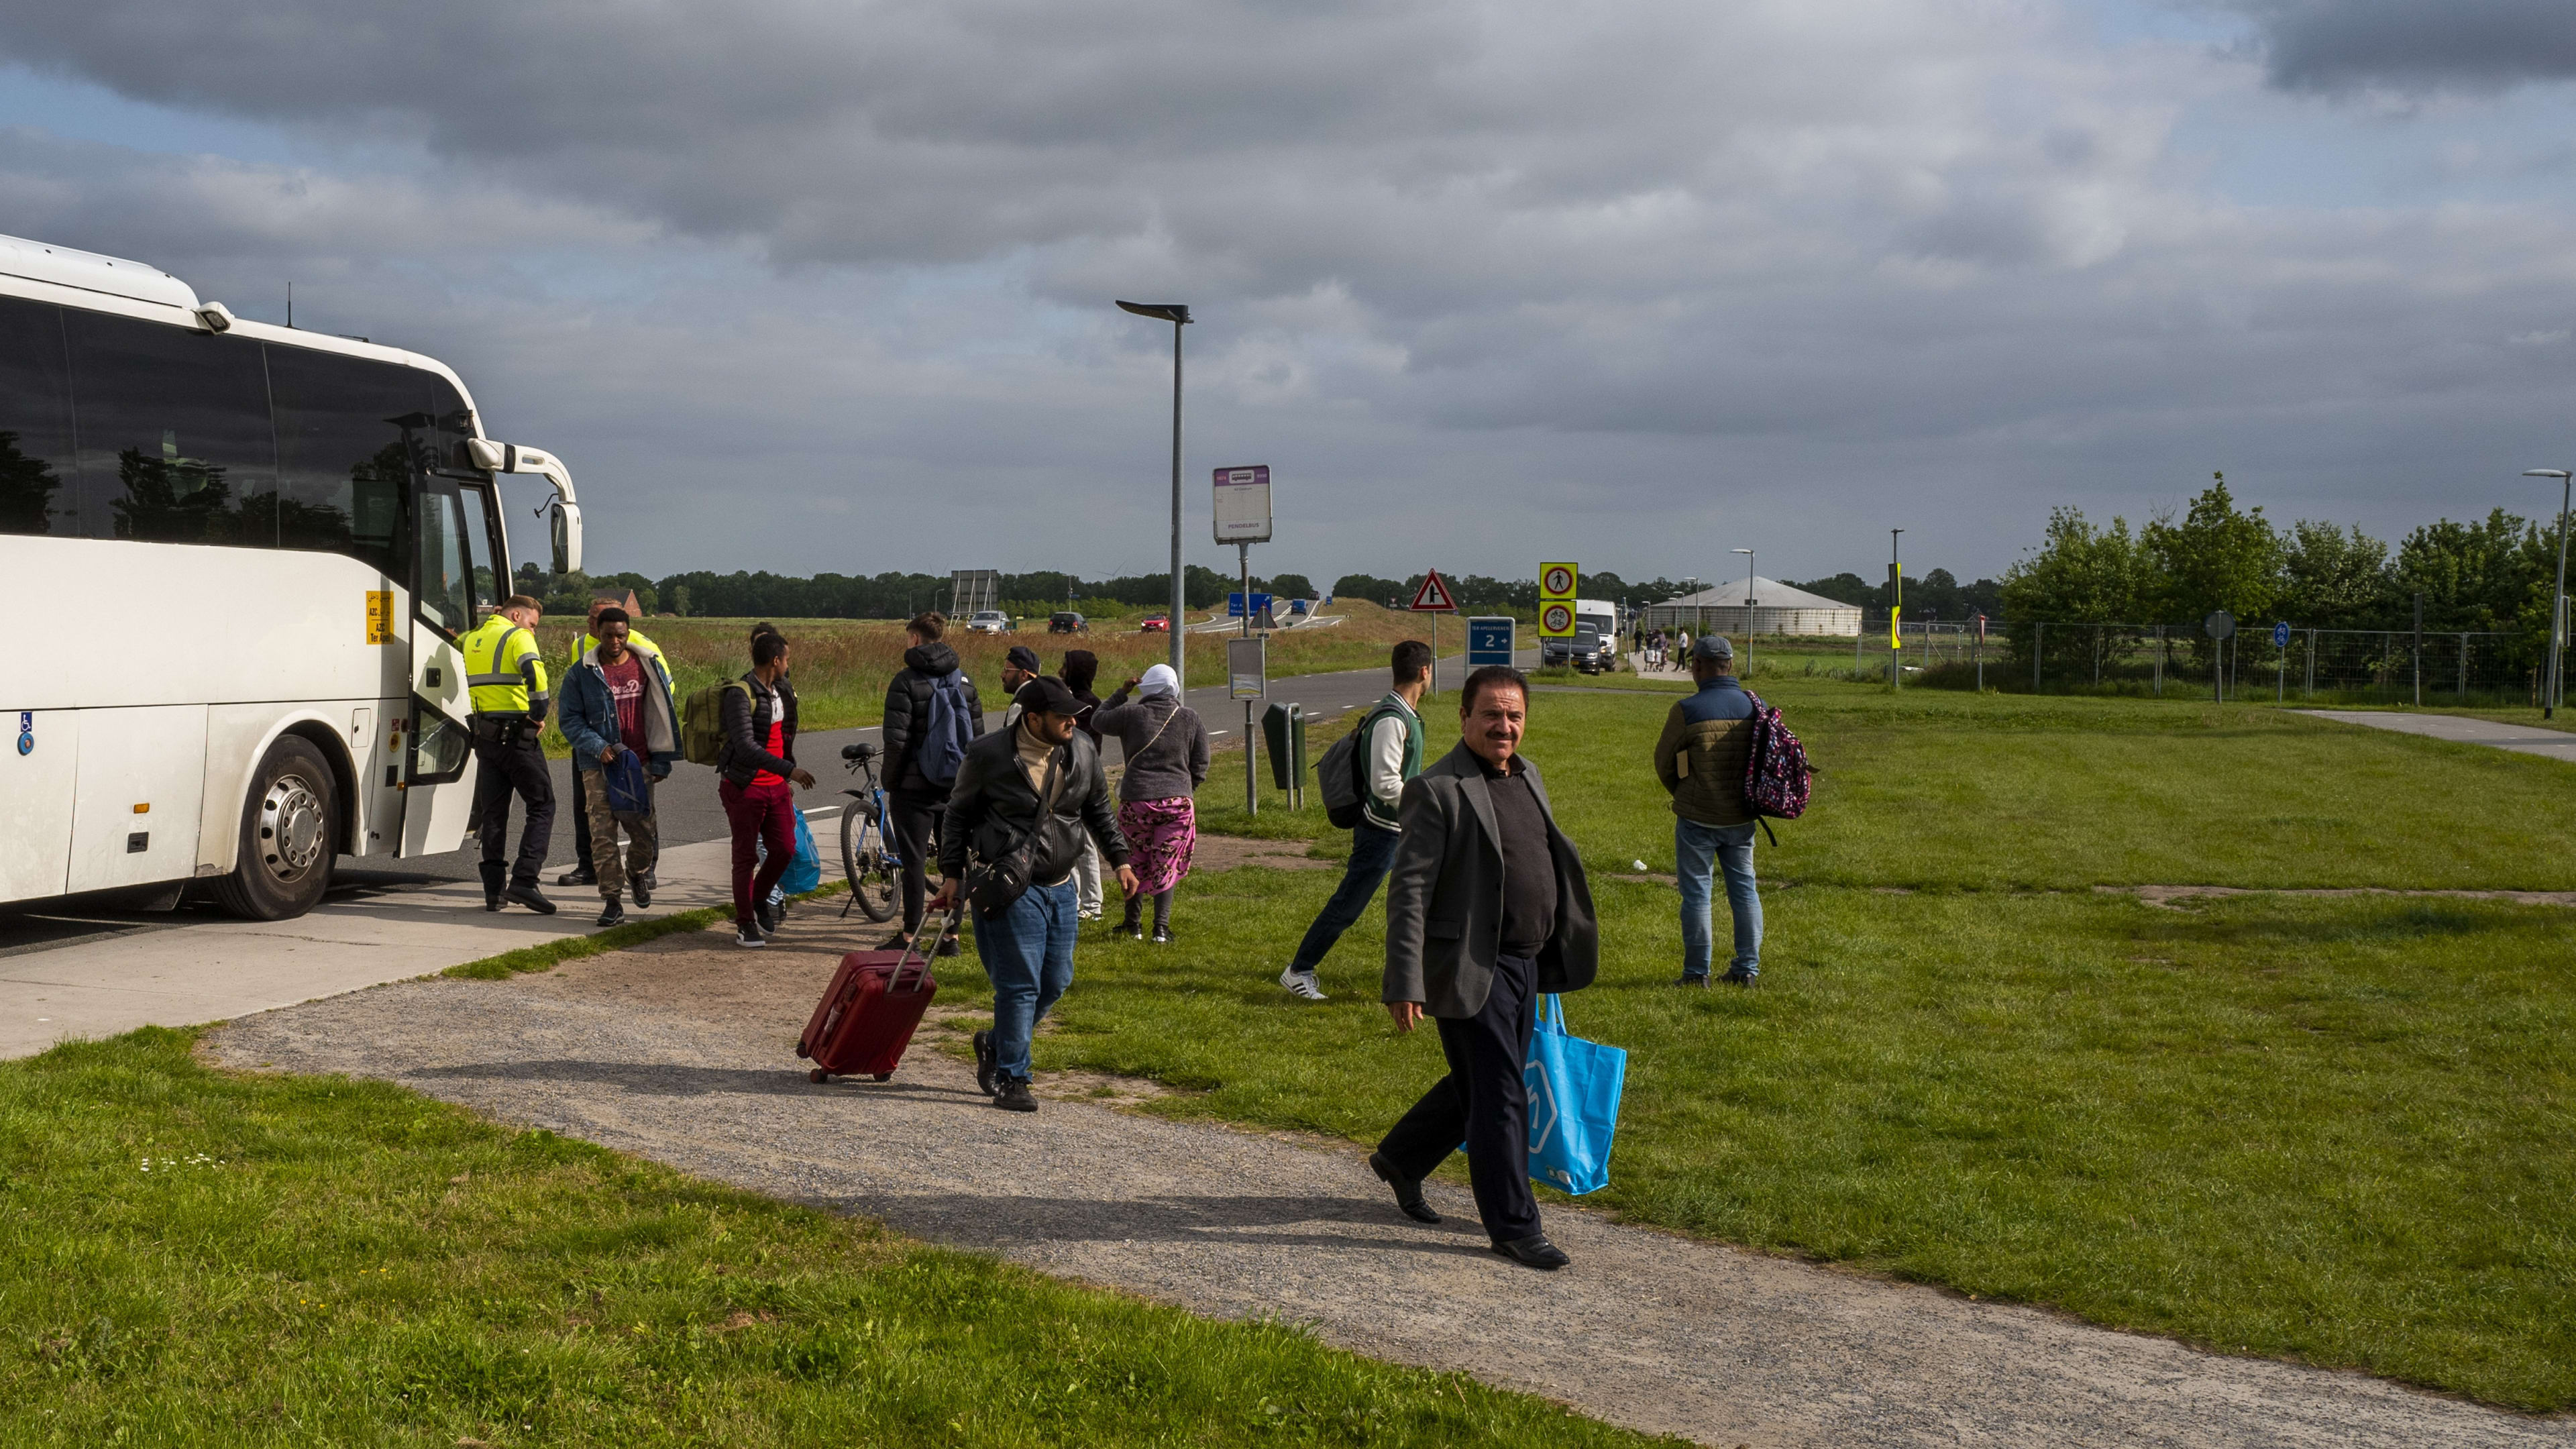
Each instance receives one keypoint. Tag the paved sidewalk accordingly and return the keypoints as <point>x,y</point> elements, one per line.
<point>682,1051</point>
<point>2462,729</point>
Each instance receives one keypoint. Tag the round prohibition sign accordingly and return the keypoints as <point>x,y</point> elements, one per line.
<point>1556,619</point>
<point>1558,581</point>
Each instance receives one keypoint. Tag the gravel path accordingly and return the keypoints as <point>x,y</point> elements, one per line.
<point>682,1051</point>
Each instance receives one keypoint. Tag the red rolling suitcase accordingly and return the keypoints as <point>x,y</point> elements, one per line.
<point>869,1012</point>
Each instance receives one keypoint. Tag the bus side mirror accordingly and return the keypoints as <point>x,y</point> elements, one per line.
<point>567,537</point>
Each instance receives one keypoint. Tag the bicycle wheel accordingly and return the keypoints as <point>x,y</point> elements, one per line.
<point>863,857</point>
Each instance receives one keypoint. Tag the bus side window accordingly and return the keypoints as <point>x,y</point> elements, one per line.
<point>37,477</point>
<point>175,442</point>
<point>351,434</point>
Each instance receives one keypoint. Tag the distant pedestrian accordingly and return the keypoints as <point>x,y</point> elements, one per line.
<point>758,762</point>
<point>583,872</point>
<point>1019,666</point>
<point>1700,759</point>
<point>1038,782</point>
<point>787,687</point>
<point>1081,669</point>
<point>617,701</point>
<point>1487,909</point>
<point>1166,750</point>
<point>505,677</point>
<point>1389,753</point>
<point>917,797</point>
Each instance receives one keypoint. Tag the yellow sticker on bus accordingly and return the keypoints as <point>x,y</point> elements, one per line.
<point>380,616</point>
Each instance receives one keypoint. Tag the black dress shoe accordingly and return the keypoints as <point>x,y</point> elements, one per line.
<point>578,876</point>
<point>1534,1251</point>
<point>1408,1190</point>
<point>531,897</point>
<point>988,1065</point>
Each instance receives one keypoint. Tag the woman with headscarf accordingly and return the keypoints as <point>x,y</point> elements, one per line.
<point>1167,759</point>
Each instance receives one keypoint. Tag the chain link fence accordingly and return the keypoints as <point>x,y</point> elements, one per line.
<point>2316,666</point>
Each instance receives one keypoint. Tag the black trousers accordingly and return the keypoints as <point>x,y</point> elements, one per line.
<point>916,816</point>
<point>1483,1102</point>
<point>581,812</point>
<point>513,764</point>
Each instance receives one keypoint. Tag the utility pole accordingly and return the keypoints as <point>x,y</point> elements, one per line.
<point>1895,612</point>
<point>1178,314</point>
<point>1251,782</point>
<point>1748,608</point>
<point>2555,683</point>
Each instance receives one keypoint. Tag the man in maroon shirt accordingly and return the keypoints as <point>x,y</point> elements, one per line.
<point>619,718</point>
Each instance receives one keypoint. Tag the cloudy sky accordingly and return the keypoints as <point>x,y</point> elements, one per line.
<point>808,286</point>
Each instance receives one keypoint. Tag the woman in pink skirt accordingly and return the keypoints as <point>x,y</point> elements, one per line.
<point>1166,751</point>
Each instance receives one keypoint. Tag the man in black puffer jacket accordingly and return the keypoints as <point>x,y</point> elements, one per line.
<point>914,800</point>
<point>1039,780</point>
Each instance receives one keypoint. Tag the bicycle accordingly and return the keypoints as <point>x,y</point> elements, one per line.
<point>868,855</point>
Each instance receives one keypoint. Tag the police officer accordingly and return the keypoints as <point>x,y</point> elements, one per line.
<point>507,675</point>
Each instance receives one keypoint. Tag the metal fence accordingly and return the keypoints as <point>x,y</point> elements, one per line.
<point>2352,666</point>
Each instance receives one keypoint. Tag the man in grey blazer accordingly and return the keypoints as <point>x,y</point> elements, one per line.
<point>1486,909</point>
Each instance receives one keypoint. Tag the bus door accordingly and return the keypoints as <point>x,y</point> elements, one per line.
<point>456,591</point>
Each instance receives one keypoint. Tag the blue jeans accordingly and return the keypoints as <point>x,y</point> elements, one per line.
<point>1027,951</point>
<point>1372,856</point>
<point>1732,846</point>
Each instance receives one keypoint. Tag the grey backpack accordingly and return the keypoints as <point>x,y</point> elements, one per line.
<point>1337,776</point>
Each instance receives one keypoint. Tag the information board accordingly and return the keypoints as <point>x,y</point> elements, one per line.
<point>1243,504</point>
<point>1491,639</point>
<point>1247,664</point>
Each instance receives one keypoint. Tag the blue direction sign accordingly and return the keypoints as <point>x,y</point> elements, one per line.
<point>2280,636</point>
<point>1490,640</point>
<point>1234,604</point>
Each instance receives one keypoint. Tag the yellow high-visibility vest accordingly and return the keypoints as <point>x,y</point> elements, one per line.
<point>494,656</point>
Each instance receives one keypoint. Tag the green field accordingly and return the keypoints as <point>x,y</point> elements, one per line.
<point>207,1258</point>
<point>2334,1128</point>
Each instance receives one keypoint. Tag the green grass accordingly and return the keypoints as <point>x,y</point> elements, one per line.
<point>1930,788</point>
<point>200,1257</point>
<point>2333,1129</point>
<point>545,956</point>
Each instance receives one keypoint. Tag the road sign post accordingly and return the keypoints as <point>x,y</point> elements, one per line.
<point>1434,598</point>
<point>2220,626</point>
<point>1557,583</point>
<point>1247,661</point>
<point>2281,663</point>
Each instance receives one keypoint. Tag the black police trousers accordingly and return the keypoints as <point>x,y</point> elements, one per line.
<point>512,763</point>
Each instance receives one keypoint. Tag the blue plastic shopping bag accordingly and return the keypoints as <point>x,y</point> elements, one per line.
<point>805,872</point>
<point>629,791</point>
<point>1574,1088</point>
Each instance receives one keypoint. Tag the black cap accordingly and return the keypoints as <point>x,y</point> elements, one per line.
<point>1047,694</point>
<point>1022,657</point>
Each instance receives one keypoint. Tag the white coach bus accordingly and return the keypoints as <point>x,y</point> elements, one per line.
<point>234,563</point>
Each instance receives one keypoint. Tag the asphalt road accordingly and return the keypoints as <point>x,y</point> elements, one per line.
<point>686,804</point>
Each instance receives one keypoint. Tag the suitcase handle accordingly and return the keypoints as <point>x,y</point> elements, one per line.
<point>914,951</point>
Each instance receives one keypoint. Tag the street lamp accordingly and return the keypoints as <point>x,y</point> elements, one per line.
<point>1895,609</point>
<point>1178,314</point>
<point>1748,608</point>
<point>1690,591</point>
<point>2558,598</point>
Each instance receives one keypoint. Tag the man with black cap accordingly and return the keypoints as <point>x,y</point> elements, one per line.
<point>1701,759</point>
<point>1036,782</point>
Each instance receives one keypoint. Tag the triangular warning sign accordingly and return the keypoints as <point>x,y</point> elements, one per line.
<point>1433,596</point>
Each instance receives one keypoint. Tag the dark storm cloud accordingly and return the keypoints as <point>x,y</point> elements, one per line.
<point>2414,45</point>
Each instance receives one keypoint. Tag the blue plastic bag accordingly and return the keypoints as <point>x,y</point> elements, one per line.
<point>805,872</point>
<point>1574,1088</point>
<point>629,791</point>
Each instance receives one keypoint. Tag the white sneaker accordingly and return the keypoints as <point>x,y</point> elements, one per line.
<point>1302,985</point>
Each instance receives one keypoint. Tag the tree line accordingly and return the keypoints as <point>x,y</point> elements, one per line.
<point>2494,576</point>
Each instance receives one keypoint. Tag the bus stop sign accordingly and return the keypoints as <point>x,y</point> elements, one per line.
<point>1490,640</point>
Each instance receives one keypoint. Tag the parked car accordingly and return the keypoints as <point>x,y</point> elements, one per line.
<point>1155,624</point>
<point>1591,654</point>
<point>1066,621</point>
<point>989,621</point>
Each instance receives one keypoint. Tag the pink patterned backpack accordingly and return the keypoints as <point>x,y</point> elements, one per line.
<point>1775,769</point>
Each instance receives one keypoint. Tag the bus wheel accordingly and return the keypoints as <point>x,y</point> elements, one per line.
<point>286,845</point>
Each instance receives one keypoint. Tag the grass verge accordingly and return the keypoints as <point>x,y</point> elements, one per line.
<point>546,956</point>
<point>204,1257</point>
<point>2333,1129</point>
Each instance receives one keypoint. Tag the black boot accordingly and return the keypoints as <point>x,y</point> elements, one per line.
<point>496,875</point>
<point>528,895</point>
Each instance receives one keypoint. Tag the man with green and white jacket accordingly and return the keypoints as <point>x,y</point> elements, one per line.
<point>1390,753</point>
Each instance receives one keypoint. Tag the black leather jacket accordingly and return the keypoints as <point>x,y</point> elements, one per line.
<point>994,802</point>
<point>746,726</point>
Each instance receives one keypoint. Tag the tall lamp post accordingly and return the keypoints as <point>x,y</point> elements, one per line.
<point>2557,597</point>
<point>1748,608</point>
<point>1178,314</point>
<point>1690,591</point>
